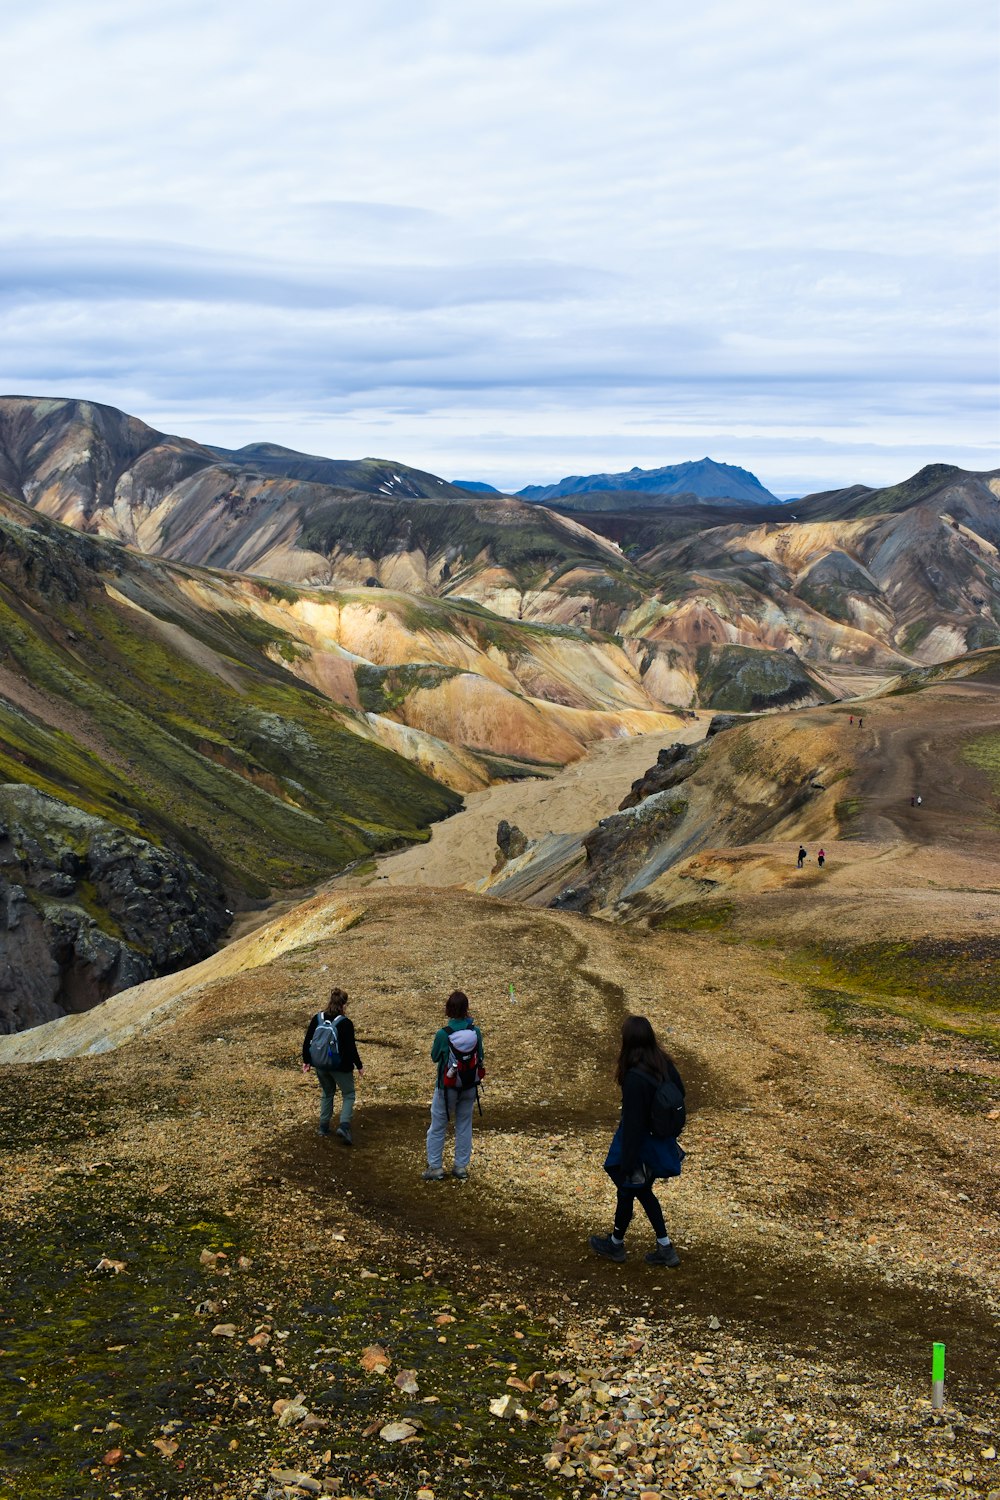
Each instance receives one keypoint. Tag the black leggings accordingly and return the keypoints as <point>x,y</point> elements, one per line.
<point>626,1206</point>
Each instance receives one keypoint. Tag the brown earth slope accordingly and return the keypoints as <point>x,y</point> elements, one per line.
<point>837,1212</point>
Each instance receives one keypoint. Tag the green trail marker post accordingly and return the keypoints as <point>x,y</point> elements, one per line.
<point>510,992</point>
<point>937,1376</point>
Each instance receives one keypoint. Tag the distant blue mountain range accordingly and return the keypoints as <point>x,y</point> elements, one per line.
<point>475,487</point>
<point>704,479</point>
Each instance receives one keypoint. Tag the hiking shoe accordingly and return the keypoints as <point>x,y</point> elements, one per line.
<point>323,1130</point>
<point>344,1132</point>
<point>433,1174</point>
<point>663,1255</point>
<point>603,1244</point>
<point>462,1173</point>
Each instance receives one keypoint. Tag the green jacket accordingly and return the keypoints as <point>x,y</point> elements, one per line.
<point>439,1046</point>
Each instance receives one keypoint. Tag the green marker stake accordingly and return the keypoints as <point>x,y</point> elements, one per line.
<point>510,992</point>
<point>937,1377</point>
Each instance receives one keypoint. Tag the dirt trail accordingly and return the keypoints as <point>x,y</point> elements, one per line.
<point>913,746</point>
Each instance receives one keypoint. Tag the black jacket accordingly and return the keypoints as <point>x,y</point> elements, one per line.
<point>349,1058</point>
<point>638,1093</point>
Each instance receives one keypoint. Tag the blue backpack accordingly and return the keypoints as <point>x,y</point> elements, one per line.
<point>324,1051</point>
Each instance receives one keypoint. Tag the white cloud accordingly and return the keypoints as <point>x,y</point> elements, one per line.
<point>517,239</point>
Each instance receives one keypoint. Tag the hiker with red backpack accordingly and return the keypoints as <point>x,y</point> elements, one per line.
<point>458,1051</point>
<point>644,1146</point>
<point>330,1048</point>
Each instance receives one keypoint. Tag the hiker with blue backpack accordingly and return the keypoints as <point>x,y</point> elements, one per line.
<point>330,1050</point>
<point>644,1146</point>
<point>458,1051</point>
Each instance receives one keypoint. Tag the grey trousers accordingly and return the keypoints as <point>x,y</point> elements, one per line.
<point>460,1110</point>
<point>330,1082</point>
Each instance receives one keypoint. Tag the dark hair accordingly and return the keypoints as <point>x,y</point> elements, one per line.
<point>335,1004</point>
<point>640,1049</point>
<point>457,1005</point>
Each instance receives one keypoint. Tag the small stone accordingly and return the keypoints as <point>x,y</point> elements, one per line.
<point>397,1432</point>
<point>503,1406</point>
<point>714,1323</point>
<point>375,1360</point>
<point>988,1453</point>
<point>406,1382</point>
<point>224,1331</point>
<point>109,1267</point>
<point>292,1414</point>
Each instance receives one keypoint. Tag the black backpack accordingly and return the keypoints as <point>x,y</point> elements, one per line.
<point>668,1115</point>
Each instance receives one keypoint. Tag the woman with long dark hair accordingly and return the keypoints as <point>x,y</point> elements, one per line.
<point>637,1157</point>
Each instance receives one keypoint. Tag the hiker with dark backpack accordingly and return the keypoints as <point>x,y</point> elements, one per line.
<point>644,1146</point>
<point>329,1048</point>
<point>458,1051</point>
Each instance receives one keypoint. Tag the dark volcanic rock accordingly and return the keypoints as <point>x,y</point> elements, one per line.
<point>511,843</point>
<point>673,765</point>
<point>87,909</point>
<point>620,847</point>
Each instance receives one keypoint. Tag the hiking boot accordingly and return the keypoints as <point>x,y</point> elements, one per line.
<point>344,1132</point>
<point>603,1244</point>
<point>433,1174</point>
<point>323,1130</point>
<point>462,1173</point>
<point>663,1255</point>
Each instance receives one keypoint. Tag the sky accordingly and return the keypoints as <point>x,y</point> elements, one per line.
<point>512,242</point>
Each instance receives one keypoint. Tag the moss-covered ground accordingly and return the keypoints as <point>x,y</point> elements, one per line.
<point>950,985</point>
<point>112,1382</point>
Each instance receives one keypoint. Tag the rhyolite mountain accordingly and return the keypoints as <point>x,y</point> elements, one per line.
<point>269,510</point>
<point>876,580</point>
<point>176,742</point>
<point>702,479</point>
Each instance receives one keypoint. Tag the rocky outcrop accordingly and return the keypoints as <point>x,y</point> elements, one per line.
<point>621,847</point>
<point>87,909</point>
<point>511,844</point>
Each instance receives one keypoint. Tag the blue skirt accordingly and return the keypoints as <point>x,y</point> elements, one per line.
<point>662,1157</point>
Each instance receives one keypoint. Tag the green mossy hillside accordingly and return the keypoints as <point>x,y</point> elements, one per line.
<point>529,544</point>
<point>172,722</point>
<point>745,679</point>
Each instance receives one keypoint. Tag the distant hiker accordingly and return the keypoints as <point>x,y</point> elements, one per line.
<point>644,1146</point>
<point>861,723</point>
<point>330,1049</point>
<point>920,801</point>
<point>458,1051</point>
<point>913,801</point>
<point>803,856</point>
<point>852,718</point>
<point>821,858</point>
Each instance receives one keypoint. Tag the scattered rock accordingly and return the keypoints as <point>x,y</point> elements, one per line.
<point>397,1432</point>
<point>110,1267</point>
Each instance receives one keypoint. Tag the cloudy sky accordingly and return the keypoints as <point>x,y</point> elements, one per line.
<point>514,241</point>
